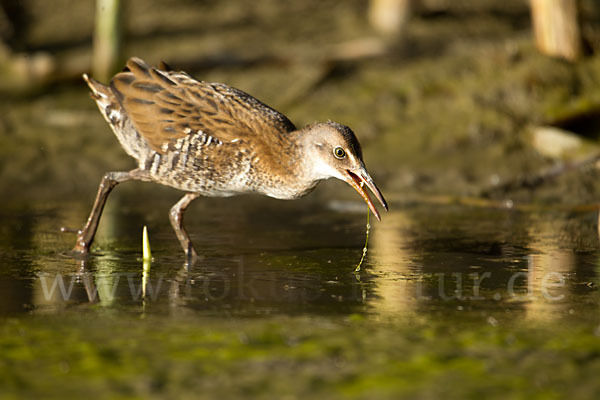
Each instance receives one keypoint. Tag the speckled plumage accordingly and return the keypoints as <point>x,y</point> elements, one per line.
<point>214,140</point>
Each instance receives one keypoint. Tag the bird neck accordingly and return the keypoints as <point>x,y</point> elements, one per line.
<point>294,166</point>
<point>309,160</point>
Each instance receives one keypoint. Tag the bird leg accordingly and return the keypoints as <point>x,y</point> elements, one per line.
<point>85,237</point>
<point>176,217</point>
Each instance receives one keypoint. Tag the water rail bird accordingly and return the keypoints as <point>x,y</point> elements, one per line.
<point>211,139</point>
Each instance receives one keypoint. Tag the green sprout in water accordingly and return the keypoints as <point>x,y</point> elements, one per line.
<point>146,259</point>
<point>146,253</point>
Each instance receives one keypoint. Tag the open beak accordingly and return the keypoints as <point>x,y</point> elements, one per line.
<point>358,180</point>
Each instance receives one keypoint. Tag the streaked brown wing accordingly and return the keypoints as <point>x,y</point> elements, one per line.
<point>165,106</point>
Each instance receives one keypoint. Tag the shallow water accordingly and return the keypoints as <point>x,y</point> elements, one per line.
<point>450,301</point>
<point>270,257</point>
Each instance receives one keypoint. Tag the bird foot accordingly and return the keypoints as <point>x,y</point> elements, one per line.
<point>81,248</point>
<point>66,229</point>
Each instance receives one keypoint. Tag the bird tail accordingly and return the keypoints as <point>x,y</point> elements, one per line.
<point>100,93</point>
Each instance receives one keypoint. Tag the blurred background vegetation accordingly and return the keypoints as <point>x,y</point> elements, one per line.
<point>492,98</point>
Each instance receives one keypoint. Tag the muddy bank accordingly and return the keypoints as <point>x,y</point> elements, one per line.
<point>448,108</point>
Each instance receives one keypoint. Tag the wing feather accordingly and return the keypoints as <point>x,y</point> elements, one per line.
<point>164,106</point>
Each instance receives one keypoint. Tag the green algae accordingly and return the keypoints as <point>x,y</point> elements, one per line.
<point>293,321</point>
<point>310,357</point>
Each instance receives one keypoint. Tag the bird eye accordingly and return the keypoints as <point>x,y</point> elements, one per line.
<point>339,152</point>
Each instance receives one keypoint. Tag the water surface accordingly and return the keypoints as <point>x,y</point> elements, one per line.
<point>258,259</point>
<point>464,287</point>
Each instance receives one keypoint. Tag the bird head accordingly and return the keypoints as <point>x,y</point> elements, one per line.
<point>334,152</point>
